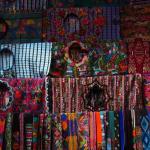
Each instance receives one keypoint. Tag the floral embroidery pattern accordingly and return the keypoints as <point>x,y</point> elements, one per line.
<point>28,27</point>
<point>109,58</point>
<point>29,95</point>
<point>75,24</point>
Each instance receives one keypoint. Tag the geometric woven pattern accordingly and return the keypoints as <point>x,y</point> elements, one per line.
<point>145,125</point>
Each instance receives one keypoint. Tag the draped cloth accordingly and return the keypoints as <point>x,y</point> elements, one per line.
<point>8,131</point>
<point>47,132</point>
<point>57,139</point>
<point>83,130</point>
<point>16,132</point>
<point>2,130</point>
<point>147,91</point>
<point>28,127</point>
<point>29,95</point>
<point>35,132</point>
<point>72,94</point>
<point>75,131</point>
<point>145,126</point>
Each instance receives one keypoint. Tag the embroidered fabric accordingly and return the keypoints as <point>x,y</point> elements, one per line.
<point>29,95</point>
<point>78,131</point>
<point>139,56</point>
<point>109,58</point>
<point>73,94</point>
<point>84,24</point>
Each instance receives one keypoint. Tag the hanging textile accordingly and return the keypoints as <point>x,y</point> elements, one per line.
<point>121,130</point>
<point>8,132</point>
<point>25,60</point>
<point>57,141</point>
<point>139,56</point>
<point>2,130</point>
<point>83,130</point>
<point>23,27</point>
<point>145,125</point>
<point>35,132</point>
<point>147,91</point>
<point>135,22</point>
<point>28,127</point>
<point>75,131</point>
<point>16,132</point>
<point>23,95</point>
<point>76,59</point>
<point>137,132</point>
<point>22,6</point>
<point>21,117</point>
<point>41,134</point>
<point>83,24</point>
<point>97,93</point>
<point>47,132</point>
<point>103,121</point>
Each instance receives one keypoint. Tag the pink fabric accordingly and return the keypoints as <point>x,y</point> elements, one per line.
<point>28,95</point>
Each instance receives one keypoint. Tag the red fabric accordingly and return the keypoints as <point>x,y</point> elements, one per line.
<point>139,56</point>
<point>28,95</point>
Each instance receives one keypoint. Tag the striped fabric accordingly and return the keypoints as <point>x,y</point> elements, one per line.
<point>22,5</point>
<point>25,59</point>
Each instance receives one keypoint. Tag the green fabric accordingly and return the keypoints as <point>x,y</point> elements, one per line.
<point>8,133</point>
<point>111,124</point>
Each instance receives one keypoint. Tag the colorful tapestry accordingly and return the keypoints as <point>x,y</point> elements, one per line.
<point>145,125</point>
<point>47,132</point>
<point>74,131</point>
<point>28,128</point>
<point>69,131</point>
<point>23,95</point>
<point>84,24</point>
<point>137,131</point>
<point>83,130</point>
<point>147,91</point>
<point>97,93</point>
<point>8,132</point>
<point>35,132</point>
<point>23,27</point>
<point>76,59</point>
<point>135,22</point>
<point>139,56</point>
<point>57,142</point>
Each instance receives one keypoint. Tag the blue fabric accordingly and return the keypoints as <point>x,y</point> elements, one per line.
<point>145,125</point>
<point>121,128</point>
